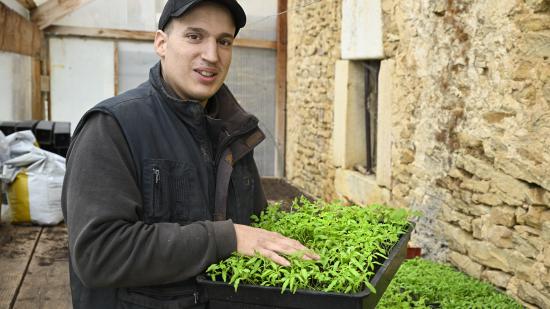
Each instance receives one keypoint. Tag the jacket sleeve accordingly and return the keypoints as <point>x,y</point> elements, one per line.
<point>109,246</point>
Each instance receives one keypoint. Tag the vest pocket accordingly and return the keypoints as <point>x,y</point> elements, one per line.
<point>242,182</point>
<point>171,193</point>
<point>150,298</point>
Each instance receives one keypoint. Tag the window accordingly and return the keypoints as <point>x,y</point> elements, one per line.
<point>372,69</point>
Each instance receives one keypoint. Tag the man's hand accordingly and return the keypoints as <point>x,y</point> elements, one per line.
<point>251,240</point>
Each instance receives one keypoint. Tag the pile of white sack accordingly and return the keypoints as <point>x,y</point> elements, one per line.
<point>32,178</point>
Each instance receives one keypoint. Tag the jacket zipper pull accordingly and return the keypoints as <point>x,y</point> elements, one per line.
<point>156,171</point>
<point>196,294</point>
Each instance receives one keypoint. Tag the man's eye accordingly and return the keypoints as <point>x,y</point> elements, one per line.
<point>193,36</point>
<point>226,42</point>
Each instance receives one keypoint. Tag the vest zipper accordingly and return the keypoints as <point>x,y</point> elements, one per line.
<point>196,295</point>
<point>156,174</point>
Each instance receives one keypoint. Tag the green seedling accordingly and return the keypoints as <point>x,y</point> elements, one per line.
<point>352,241</point>
<point>424,284</point>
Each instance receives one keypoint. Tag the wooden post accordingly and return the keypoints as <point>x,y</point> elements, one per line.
<point>280,96</point>
<point>36,77</point>
<point>116,70</point>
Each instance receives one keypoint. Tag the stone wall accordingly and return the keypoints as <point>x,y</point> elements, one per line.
<point>471,135</point>
<point>313,48</point>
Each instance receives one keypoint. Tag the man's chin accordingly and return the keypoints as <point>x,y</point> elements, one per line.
<point>205,94</point>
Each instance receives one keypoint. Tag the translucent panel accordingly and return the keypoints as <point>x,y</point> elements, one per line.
<point>82,75</point>
<point>252,81</point>
<point>115,14</point>
<point>135,60</point>
<point>15,87</point>
<point>261,19</point>
<point>144,14</point>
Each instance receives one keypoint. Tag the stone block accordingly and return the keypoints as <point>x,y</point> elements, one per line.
<point>456,173</point>
<point>545,233</point>
<point>538,197</point>
<point>500,236</point>
<point>465,264</point>
<point>401,190</point>
<point>520,215</point>
<point>535,216</point>
<point>546,255</point>
<point>384,130</point>
<point>536,44</point>
<point>349,115</point>
<point>539,5</point>
<point>529,247</point>
<point>475,186</point>
<point>513,286</point>
<point>477,228</point>
<point>509,190</point>
<point>525,168</point>
<point>496,277</point>
<point>450,215</point>
<point>359,188</point>
<point>506,260</point>
<point>530,294</point>
<point>475,166</point>
<point>526,230</point>
<point>478,210</point>
<point>523,70</point>
<point>468,140</point>
<point>486,254</point>
<point>457,239</point>
<point>503,216</point>
<point>361,35</point>
<point>490,199</point>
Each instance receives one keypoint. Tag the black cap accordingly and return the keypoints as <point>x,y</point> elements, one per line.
<point>175,8</point>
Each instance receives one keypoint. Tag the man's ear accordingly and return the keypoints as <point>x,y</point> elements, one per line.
<point>161,39</point>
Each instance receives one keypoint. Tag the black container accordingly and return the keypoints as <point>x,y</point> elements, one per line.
<point>223,295</point>
<point>26,125</point>
<point>44,133</point>
<point>8,127</point>
<point>62,134</point>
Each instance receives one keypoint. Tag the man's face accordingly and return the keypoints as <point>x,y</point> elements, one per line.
<point>195,51</point>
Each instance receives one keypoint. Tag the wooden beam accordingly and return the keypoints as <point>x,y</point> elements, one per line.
<point>101,33</point>
<point>133,35</point>
<point>28,4</point>
<point>53,10</point>
<point>18,35</point>
<point>263,44</point>
<point>280,93</point>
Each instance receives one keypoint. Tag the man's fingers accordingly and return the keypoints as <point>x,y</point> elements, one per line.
<point>312,255</point>
<point>270,245</point>
<point>274,257</point>
<point>289,246</point>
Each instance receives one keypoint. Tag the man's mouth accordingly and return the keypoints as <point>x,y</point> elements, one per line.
<point>206,73</point>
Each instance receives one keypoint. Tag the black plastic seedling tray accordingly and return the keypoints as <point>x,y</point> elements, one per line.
<point>223,296</point>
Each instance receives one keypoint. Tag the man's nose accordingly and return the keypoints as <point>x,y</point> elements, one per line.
<point>210,51</point>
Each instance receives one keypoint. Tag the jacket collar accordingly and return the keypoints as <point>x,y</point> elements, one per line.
<point>227,121</point>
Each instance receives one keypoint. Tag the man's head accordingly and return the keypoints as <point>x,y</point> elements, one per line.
<point>195,45</point>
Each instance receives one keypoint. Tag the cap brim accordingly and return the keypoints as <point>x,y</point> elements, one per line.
<point>237,11</point>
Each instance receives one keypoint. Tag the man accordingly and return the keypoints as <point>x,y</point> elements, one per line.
<point>161,180</point>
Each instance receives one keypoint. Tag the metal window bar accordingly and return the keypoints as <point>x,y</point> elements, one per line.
<point>372,68</point>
